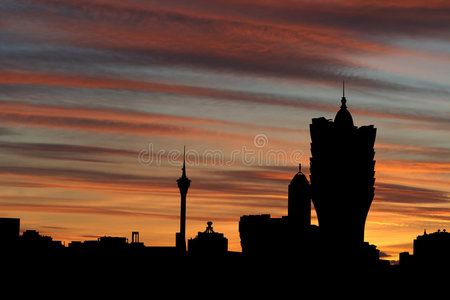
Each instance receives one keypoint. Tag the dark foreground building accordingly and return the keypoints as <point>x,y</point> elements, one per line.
<point>342,190</point>
<point>430,250</point>
<point>208,243</point>
<point>9,231</point>
<point>342,175</point>
<point>30,240</point>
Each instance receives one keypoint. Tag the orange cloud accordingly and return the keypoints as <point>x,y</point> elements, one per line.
<point>409,167</point>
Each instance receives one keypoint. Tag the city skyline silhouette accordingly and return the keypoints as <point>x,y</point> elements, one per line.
<point>336,242</point>
<point>98,99</point>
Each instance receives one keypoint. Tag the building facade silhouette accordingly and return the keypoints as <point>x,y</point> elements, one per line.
<point>9,231</point>
<point>299,202</point>
<point>341,189</point>
<point>430,250</point>
<point>208,243</point>
<point>342,175</point>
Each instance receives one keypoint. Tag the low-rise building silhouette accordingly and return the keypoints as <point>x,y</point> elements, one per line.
<point>109,242</point>
<point>10,237</point>
<point>262,235</point>
<point>430,250</point>
<point>31,239</point>
<point>208,243</point>
<point>104,242</point>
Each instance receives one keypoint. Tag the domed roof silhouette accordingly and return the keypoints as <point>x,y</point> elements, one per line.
<point>299,178</point>
<point>343,117</point>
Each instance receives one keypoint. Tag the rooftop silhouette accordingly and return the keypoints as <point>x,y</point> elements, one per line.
<point>431,250</point>
<point>208,243</point>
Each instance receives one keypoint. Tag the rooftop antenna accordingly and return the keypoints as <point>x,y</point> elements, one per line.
<point>343,101</point>
<point>184,162</point>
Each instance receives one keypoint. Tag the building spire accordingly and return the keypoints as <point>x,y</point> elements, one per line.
<point>343,100</point>
<point>184,162</point>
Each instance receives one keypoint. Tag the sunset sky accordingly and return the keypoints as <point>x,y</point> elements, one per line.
<point>98,97</point>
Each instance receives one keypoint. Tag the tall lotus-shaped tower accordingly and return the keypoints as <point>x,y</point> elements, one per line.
<point>342,175</point>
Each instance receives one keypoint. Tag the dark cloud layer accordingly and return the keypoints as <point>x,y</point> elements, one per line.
<point>409,194</point>
<point>302,40</point>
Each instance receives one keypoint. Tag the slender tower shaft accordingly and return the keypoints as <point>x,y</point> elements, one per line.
<point>183,185</point>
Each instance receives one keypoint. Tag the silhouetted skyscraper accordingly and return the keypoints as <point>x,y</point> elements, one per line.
<point>342,175</point>
<point>183,185</point>
<point>299,202</point>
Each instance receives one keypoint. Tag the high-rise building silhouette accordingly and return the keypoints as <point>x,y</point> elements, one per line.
<point>299,202</point>
<point>342,175</point>
<point>9,232</point>
<point>341,188</point>
<point>183,185</point>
